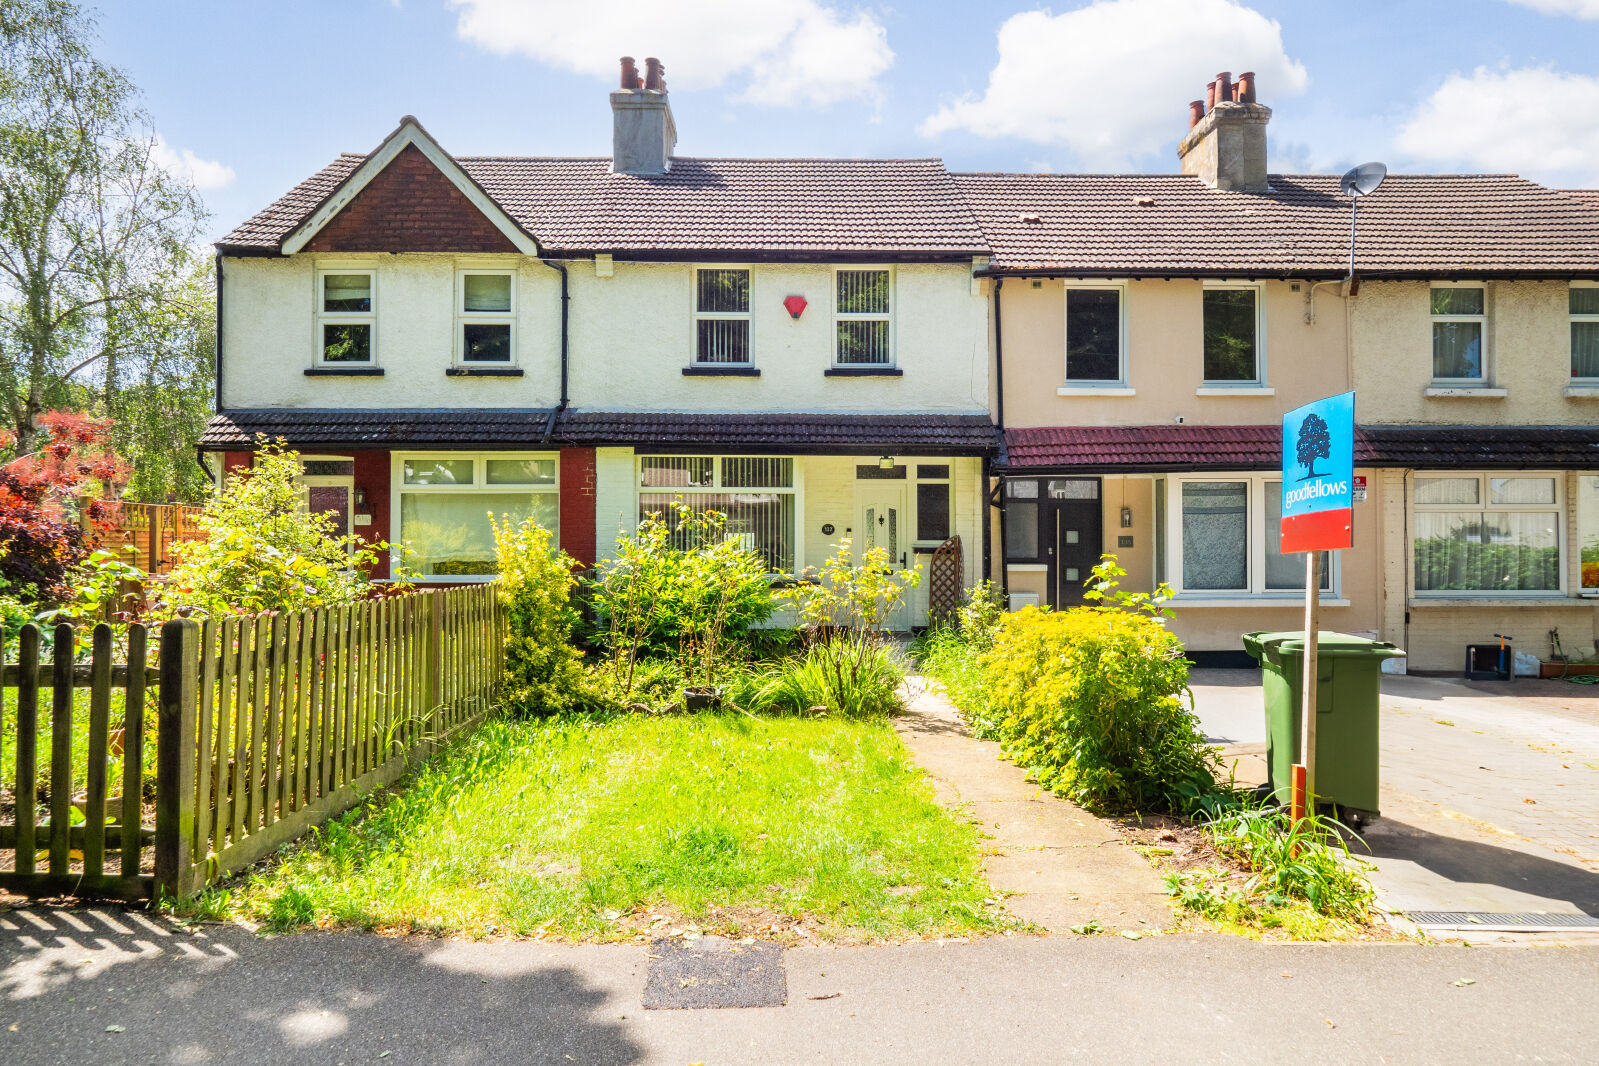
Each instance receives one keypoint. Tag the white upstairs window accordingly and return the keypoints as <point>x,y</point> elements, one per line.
<point>863,313</point>
<point>485,317</point>
<point>345,317</point>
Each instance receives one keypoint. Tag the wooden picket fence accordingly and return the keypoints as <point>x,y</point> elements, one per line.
<point>265,727</point>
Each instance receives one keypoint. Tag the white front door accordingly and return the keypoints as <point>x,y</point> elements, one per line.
<point>882,520</point>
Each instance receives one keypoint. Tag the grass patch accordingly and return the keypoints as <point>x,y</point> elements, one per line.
<point>604,829</point>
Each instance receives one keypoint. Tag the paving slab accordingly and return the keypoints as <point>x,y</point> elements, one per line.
<point>711,972</point>
<point>1059,865</point>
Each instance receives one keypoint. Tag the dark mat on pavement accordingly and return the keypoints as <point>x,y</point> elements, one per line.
<point>712,971</point>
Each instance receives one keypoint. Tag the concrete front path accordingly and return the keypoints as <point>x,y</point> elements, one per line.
<point>1059,865</point>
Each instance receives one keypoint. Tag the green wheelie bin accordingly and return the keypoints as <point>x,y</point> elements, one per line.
<point>1348,675</point>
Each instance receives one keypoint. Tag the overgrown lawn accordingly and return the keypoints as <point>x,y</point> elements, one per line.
<point>607,829</point>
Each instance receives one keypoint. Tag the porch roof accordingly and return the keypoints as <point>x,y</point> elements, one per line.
<point>1165,448</point>
<point>926,434</point>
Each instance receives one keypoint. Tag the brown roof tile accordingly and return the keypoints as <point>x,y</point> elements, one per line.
<point>1416,223</point>
<point>864,207</point>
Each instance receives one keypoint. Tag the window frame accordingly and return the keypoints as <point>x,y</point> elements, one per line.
<point>696,315</point>
<point>1484,505</point>
<point>1259,380</point>
<point>398,489</point>
<point>1118,382</point>
<point>1009,501</point>
<point>464,318</point>
<point>718,487</point>
<point>324,317</point>
<point>1573,319</point>
<point>1255,560</point>
<point>948,481</point>
<point>854,316</point>
<point>1482,322</point>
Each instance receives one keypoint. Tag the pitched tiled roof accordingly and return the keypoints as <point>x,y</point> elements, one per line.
<point>864,434</point>
<point>1155,224</point>
<point>900,207</point>
<point>1185,447</point>
<point>1586,196</point>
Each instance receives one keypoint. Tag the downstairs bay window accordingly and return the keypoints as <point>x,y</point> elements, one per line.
<point>1220,536</point>
<point>445,499</point>
<point>756,493</point>
<point>1477,533</point>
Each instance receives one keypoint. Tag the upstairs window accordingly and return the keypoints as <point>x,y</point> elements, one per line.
<point>485,316</point>
<point>1459,315</point>
<point>722,317</point>
<point>1584,309</point>
<point>862,307</point>
<point>1094,337</point>
<point>344,316</point>
<point>1232,335</point>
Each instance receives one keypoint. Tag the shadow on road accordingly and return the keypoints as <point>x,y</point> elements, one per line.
<point>80,990</point>
<point>1469,862</point>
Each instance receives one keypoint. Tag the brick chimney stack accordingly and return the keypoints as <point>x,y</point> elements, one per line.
<point>1226,142</point>
<point>642,131</point>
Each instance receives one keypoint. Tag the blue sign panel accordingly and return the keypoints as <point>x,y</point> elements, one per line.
<point>1319,475</point>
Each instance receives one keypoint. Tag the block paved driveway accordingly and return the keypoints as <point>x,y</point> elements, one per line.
<point>1490,790</point>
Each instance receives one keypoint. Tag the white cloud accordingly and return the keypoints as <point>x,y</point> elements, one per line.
<point>1583,9</point>
<point>204,173</point>
<point>784,51</point>
<point>1112,81</point>
<point>1524,120</point>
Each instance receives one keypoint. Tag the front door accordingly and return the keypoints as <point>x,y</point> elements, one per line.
<point>882,521</point>
<point>1077,535</point>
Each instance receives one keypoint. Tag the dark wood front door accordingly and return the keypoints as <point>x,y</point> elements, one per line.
<point>1077,536</point>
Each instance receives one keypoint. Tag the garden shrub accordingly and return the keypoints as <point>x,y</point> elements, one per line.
<point>795,686</point>
<point>263,551</point>
<point>543,671</point>
<point>1091,701</point>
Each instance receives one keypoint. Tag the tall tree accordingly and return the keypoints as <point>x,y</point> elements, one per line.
<point>95,235</point>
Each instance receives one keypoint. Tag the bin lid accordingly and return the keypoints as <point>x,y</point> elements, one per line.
<point>1327,643</point>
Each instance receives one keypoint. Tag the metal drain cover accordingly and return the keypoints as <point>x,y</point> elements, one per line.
<point>1491,922</point>
<point>712,971</point>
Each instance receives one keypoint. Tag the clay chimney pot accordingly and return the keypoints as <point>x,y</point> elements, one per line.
<point>1246,87</point>
<point>654,75</point>
<point>1196,111</point>
<point>629,73</point>
<point>1224,86</point>
<point>1210,95</point>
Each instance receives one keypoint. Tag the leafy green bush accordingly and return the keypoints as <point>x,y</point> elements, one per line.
<point>263,551</point>
<point>543,673</point>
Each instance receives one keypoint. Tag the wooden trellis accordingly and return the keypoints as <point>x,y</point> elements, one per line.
<point>944,581</point>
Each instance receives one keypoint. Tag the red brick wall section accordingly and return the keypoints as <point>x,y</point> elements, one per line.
<point>234,461</point>
<point>410,206</point>
<point>372,477</point>
<point>577,504</point>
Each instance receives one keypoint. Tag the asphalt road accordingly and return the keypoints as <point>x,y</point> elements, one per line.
<point>93,995</point>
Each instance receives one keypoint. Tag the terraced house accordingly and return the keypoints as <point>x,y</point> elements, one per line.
<point>1151,330</point>
<point>799,343</point>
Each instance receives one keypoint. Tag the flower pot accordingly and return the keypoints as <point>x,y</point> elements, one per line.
<point>1558,670</point>
<point>702,699</point>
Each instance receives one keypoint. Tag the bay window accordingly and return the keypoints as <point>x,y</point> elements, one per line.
<point>345,316</point>
<point>1226,537</point>
<point>1459,321</point>
<point>756,494</point>
<point>1482,533</point>
<point>445,499</point>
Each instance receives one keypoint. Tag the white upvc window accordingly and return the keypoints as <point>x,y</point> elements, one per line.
<point>722,334</point>
<point>1583,305</point>
<point>757,494</point>
<point>1459,333</point>
<point>485,317</point>
<point>346,317</point>
<point>443,500</point>
<point>1222,537</point>
<point>1096,334</point>
<point>863,316</point>
<point>1588,532</point>
<point>1234,325</point>
<point>1488,534</point>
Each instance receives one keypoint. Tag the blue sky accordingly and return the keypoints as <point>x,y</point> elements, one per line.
<point>251,97</point>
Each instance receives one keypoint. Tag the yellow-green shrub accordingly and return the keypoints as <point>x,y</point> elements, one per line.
<point>1095,704</point>
<point>543,674</point>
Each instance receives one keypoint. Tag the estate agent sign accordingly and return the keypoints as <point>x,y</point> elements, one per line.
<point>1319,475</point>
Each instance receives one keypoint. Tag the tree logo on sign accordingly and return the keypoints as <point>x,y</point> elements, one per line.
<point>1314,443</point>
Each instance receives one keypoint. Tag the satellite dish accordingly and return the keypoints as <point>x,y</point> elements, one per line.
<point>1363,180</point>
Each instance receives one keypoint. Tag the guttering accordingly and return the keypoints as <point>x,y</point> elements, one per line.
<point>217,399</point>
<point>1243,274</point>
<point>566,299</point>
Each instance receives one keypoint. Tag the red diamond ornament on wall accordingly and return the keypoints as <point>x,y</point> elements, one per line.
<point>795,305</point>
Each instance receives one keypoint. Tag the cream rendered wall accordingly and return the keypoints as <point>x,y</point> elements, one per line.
<point>1528,339</point>
<point>1165,361</point>
<point>633,333</point>
<point>269,334</point>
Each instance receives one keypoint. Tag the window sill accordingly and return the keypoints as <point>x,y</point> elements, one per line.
<point>721,372</point>
<point>1095,390</point>
<point>343,371</point>
<point>1464,392</point>
<point>483,372</point>
<point>863,372</point>
<point>1235,390</point>
<point>1582,392</point>
<point>1498,600</point>
<point>1295,600</point>
<point>1028,568</point>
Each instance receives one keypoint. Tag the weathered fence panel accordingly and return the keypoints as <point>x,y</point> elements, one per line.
<point>265,727</point>
<point>149,530</point>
